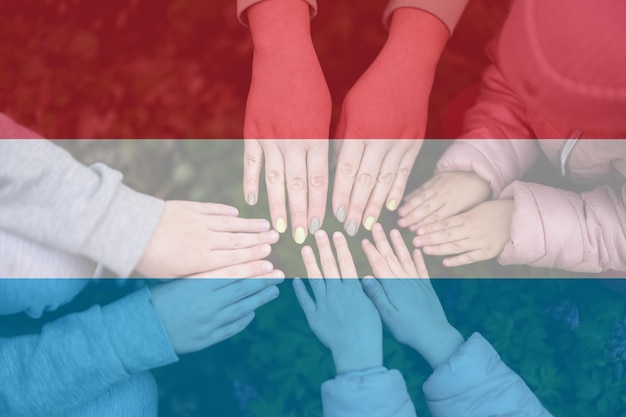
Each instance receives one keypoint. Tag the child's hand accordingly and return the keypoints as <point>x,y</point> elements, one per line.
<point>198,313</point>
<point>406,299</point>
<point>444,195</point>
<point>196,237</point>
<point>370,174</point>
<point>341,315</point>
<point>477,235</point>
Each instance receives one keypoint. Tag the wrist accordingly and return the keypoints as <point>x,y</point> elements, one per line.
<point>359,359</point>
<point>280,25</point>
<point>444,343</point>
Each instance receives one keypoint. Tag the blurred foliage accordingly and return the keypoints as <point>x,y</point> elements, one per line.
<point>553,332</point>
<point>181,68</point>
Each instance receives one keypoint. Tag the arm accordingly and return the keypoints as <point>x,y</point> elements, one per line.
<point>469,378</point>
<point>288,99</point>
<point>389,101</point>
<point>474,382</point>
<point>49,197</point>
<point>363,387</point>
<point>80,356</point>
<point>554,228</point>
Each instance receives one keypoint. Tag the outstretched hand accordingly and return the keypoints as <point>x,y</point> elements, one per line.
<point>198,313</point>
<point>406,300</point>
<point>196,237</point>
<point>340,315</point>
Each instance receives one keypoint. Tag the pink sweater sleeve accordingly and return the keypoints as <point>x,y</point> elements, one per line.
<point>492,144</point>
<point>243,5</point>
<point>448,11</point>
<point>497,161</point>
<point>554,228</point>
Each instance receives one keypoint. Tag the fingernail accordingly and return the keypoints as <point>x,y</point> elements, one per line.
<point>352,228</point>
<point>281,226</point>
<point>300,235</point>
<point>273,236</point>
<point>251,199</point>
<point>266,248</point>
<point>369,222</point>
<point>392,205</point>
<point>267,267</point>
<point>341,214</point>
<point>264,225</point>
<point>280,275</point>
<point>314,226</point>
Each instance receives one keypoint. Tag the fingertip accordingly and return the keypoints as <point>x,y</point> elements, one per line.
<point>307,251</point>
<point>377,228</point>
<point>392,205</point>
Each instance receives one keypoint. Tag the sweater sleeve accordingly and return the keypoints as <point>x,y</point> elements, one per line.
<point>377,394</point>
<point>475,382</point>
<point>497,161</point>
<point>79,357</point>
<point>49,197</point>
<point>243,5</point>
<point>555,228</point>
<point>448,11</point>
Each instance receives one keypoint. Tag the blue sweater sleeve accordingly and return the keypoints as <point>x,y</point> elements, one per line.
<point>80,356</point>
<point>474,382</point>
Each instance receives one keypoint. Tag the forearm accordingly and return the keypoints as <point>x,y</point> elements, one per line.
<point>444,342</point>
<point>280,26</point>
<point>49,197</point>
<point>80,356</point>
<point>418,36</point>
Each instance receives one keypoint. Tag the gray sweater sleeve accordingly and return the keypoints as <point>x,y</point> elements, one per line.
<point>49,197</point>
<point>80,356</point>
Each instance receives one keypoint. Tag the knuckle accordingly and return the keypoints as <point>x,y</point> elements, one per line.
<point>318,181</point>
<point>457,247</point>
<point>365,180</point>
<point>386,178</point>
<point>390,258</point>
<point>253,161</point>
<point>344,260</point>
<point>380,263</point>
<point>275,177</point>
<point>235,242</point>
<point>347,170</point>
<point>329,265</point>
<point>403,172</point>
<point>296,184</point>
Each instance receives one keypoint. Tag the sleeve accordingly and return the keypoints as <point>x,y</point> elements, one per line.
<point>448,11</point>
<point>475,382</point>
<point>496,142</point>
<point>377,394</point>
<point>49,197</point>
<point>243,5</point>
<point>554,228</point>
<point>497,161</point>
<point>79,357</point>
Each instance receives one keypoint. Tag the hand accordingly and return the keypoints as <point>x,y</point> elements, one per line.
<point>198,313</point>
<point>288,99</point>
<point>370,172</point>
<point>195,237</point>
<point>301,165</point>
<point>444,195</point>
<point>341,316</point>
<point>477,235</point>
<point>406,299</point>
